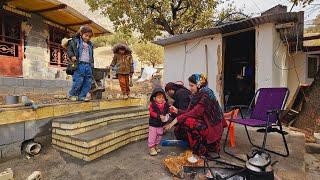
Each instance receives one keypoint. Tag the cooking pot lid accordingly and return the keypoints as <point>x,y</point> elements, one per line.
<point>260,160</point>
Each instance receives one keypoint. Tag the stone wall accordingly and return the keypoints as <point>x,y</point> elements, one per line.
<point>13,135</point>
<point>36,53</point>
<point>21,86</point>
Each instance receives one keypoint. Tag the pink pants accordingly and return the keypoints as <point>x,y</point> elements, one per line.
<point>155,135</point>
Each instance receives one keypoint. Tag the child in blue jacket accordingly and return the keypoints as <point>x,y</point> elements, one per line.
<point>80,50</point>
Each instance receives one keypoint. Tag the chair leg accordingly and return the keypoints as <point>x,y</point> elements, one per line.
<point>265,140</point>
<point>248,135</point>
<point>225,143</point>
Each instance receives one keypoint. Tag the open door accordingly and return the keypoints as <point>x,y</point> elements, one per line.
<point>239,68</point>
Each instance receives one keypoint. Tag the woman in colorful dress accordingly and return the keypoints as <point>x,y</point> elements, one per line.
<point>202,124</point>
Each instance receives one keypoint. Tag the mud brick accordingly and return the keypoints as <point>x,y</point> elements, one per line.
<point>48,83</point>
<point>23,90</point>
<point>32,83</point>
<point>6,90</point>
<point>7,174</point>
<point>12,82</point>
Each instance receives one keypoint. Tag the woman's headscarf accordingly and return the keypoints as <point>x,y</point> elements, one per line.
<point>206,97</point>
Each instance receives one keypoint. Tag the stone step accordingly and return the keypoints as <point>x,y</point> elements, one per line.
<point>84,122</point>
<point>93,144</point>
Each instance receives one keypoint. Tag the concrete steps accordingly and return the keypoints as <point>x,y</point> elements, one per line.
<point>80,123</point>
<point>91,135</point>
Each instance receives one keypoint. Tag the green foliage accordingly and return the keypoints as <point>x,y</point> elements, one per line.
<point>153,17</point>
<point>316,27</point>
<point>149,53</point>
<point>117,37</point>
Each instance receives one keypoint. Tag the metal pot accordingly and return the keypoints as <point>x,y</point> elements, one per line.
<point>259,166</point>
<point>11,99</point>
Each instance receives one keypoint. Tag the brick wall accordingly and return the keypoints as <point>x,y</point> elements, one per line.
<point>21,86</point>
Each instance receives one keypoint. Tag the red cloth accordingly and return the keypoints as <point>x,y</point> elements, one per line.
<point>197,112</point>
<point>160,106</point>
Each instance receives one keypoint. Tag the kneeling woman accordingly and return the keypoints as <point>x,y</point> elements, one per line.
<point>203,122</point>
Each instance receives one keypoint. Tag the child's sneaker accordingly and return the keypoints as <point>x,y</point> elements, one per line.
<point>85,99</point>
<point>158,149</point>
<point>153,152</point>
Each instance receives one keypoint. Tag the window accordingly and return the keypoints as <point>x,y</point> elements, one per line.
<point>58,55</point>
<point>312,66</point>
<point>10,35</point>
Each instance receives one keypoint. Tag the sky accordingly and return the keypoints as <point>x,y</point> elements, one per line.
<point>251,7</point>
<point>255,7</point>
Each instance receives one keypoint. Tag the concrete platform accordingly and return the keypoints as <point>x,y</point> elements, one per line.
<point>23,114</point>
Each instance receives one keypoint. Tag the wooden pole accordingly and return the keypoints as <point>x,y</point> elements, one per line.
<point>207,63</point>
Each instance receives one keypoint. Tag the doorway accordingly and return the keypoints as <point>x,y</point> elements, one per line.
<point>239,68</point>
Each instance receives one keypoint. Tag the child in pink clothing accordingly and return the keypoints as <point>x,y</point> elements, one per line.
<point>159,108</point>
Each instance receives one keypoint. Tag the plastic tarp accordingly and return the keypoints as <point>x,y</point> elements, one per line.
<point>147,74</point>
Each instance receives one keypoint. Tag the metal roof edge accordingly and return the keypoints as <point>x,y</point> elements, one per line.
<point>229,27</point>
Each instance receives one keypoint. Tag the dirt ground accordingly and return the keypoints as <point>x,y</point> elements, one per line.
<point>129,162</point>
<point>132,162</point>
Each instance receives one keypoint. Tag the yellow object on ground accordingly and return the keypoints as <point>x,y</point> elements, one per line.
<point>175,163</point>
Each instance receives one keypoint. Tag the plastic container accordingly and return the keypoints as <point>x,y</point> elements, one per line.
<point>11,99</point>
<point>180,143</point>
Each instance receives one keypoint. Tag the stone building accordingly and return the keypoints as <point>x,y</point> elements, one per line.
<point>31,57</point>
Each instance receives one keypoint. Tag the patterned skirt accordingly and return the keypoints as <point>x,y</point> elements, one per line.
<point>195,133</point>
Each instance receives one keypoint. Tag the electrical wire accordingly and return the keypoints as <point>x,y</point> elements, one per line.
<point>288,52</point>
<point>255,4</point>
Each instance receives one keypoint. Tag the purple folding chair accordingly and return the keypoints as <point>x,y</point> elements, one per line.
<point>265,109</point>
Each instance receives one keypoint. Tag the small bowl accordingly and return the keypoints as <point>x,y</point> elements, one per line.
<point>192,159</point>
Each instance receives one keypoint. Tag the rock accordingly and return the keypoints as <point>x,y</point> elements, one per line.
<point>312,148</point>
<point>36,175</point>
<point>7,174</point>
<point>60,96</point>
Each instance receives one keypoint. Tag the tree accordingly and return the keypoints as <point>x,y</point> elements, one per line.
<point>153,17</point>
<point>149,53</point>
<point>316,26</point>
<point>309,117</point>
<point>300,2</point>
<point>117,37</point>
